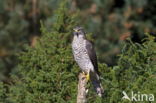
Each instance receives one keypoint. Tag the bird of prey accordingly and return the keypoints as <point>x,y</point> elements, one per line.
<point>85,56</point>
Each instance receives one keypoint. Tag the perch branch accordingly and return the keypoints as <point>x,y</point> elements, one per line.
<point>82,91</point>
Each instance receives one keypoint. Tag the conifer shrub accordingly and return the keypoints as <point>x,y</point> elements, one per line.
<point>48,73</point>
<point>2,93</point>
<point>135,71</point>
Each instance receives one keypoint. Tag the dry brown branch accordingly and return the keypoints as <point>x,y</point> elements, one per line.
<point>82,91</point>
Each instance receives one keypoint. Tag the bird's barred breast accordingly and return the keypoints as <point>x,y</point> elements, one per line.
<point>81,56</point>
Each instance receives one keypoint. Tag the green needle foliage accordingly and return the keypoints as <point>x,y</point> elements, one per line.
<point>48,73</point>
<point>135,71</point>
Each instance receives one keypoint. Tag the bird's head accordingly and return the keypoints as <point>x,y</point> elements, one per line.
<point>79,32</point>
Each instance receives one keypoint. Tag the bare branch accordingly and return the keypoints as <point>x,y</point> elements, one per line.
<point>82,91</point>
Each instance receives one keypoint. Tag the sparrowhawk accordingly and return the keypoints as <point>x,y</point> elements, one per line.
<point>85,56</point>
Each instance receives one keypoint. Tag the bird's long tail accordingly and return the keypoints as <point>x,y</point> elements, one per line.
<point>96,83</point>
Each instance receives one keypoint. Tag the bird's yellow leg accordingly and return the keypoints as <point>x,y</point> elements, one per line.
<point>88,77</point>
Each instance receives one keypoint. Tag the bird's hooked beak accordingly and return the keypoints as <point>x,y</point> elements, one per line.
<point>75,32</point>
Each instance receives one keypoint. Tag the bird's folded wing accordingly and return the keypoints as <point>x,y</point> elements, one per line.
<point>92,54</point>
